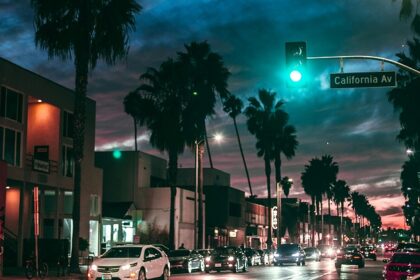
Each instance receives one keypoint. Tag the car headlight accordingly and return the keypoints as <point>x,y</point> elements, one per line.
<point>94,267</point>
<point>276,255</point>
<point>329,251</point>
<point>127,266</point>
<point>208,259</point>
<point>295,255</point>
<point>231,258</point>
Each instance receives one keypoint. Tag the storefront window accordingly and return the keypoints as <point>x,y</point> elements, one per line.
<point>94,237</point>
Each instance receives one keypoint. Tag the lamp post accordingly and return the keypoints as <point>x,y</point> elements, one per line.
<point>199,224</point>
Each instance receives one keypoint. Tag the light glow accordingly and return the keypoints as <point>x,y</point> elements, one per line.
<point>295,76</point>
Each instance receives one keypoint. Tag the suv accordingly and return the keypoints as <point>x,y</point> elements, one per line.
<point>349,255</point>
<point>130,262</point>
<point>369,252</point>
<point>289,253</point>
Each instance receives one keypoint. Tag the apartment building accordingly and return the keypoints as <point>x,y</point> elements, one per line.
<point>37,145</point>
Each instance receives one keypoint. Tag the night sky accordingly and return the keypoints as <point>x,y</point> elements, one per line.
<point>356,126</point>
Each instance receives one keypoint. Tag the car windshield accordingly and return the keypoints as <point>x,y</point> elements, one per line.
<point>406,258</point>
<point>350,249</point>
<point>288,248</point>
<point>179,253</point>
<point>122,252</point>
<point>224,251</point>
<point>309,250</point>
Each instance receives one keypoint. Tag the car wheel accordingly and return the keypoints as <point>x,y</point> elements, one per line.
<point>236,267</point>
<point>362,265</point>
<point>299,263</point>
<point>337,266</point>
<point>280,264</point>
<point>202,266</point>
<point>303,263</point>
<point>374,259</point>
<point>207,270</point>
<point>245,267</point>
<point>165,274</point>
<point>217,270</point>
<point>142,275</point>
<point>189,267</point>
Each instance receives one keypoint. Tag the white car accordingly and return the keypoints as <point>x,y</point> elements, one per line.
<point>137,262</point>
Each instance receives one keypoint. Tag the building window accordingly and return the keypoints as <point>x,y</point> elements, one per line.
<point>67,161</point>
<point>50,202</point>
<point>68,124</point>
<point>68,203</point>
<point>11,104</point>
<point>10,146</point>
<point>94,205</point>
<point>234,209</point>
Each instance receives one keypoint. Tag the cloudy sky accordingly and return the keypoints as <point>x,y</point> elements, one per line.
<point>356,126</point>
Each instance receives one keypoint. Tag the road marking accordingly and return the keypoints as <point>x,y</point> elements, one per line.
<point>319,276</point>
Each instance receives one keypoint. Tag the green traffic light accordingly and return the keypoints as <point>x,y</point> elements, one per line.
<point>116,154</point>
<point>295,76</point>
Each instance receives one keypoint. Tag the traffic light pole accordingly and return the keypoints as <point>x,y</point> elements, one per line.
<point>403,66</point>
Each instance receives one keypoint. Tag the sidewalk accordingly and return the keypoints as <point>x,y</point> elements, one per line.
<point>19,275</point>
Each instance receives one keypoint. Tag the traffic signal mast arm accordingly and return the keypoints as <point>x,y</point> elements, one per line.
<point>403,66</point>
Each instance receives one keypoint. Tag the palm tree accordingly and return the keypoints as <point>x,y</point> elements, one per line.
<point>410,185</point>
<point>233,106</point>
<point>161,108</point>
<point>286,184</point>
<point>330,176</point>
<point>260,123</point>
<point>85,31</point>
<point>408,8</point>
<point>205,76</point>
<point>131,106</point>
<point>317,179</point>
<point>341,192</point>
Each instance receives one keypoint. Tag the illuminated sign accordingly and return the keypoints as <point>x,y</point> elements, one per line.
<point>274,217</point>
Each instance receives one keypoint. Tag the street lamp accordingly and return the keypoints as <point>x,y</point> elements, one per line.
<point>199,234</point>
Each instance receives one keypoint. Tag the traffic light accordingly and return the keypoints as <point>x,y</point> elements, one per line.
<point>296,64</point>
<point>116,154</point>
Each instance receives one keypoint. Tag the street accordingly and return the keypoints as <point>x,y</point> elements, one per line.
<point>312,271</point>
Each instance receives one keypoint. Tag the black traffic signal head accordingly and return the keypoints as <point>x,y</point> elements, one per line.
<point>296,64</point>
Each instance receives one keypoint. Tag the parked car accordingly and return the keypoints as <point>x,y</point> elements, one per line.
<point>289,253</point>
<point>402,265</point>
<point>186,260</point>
<point>349,255</point>
<point>369,252</point>
<point>312,254</point>
<point>327,251</point>
<point>264,257</point>
<point>407,247</point>
<point>130,262</point>
<point>204,252</point>
<point>162,248</point>
<point>252,256</point>
<point>226,258</point>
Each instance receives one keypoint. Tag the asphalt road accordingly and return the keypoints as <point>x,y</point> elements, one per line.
<point>312,271</point>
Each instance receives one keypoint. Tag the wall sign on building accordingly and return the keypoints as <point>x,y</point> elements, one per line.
<point>274,217</point>
<point>41,160</point>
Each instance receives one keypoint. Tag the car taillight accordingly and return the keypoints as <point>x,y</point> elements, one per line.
<point>373,252</point>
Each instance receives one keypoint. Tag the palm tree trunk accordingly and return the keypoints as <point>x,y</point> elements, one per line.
<point>313,221</point>
<point>322,221</point>
<point>341,222</point>
<point>207,144</point>
<point>82,69</point>
<point>172,175</point>
<point>267,175</point>
<point>329,220</point>
<point>200,219</point>
<point>316,219</point>
<point>243,157</point>
<point>135,134</point>
<point>277,166</point>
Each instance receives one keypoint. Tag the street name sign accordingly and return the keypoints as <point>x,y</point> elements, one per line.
<point>363,79</point>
